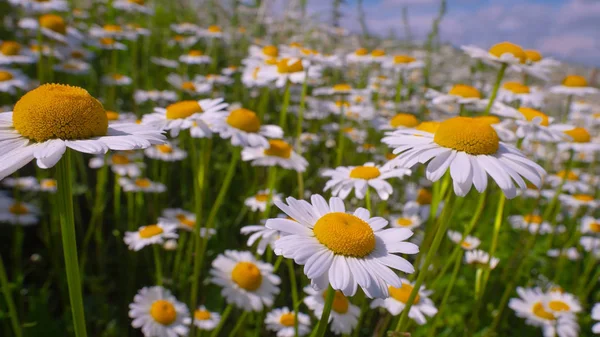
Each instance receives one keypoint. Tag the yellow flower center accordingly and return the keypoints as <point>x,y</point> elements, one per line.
<point>113,28</point>
<point>570,176</point>
<point>361,52</point>
<point>201,315</point>
<point>583,197</point>
<point>465,245</point>
<point>595,227</point>
<point>340,302</point>
<point>279,148</point>
<point>404,222</point>
<point>18,209</point>
<point>54,23</point>
<point>539,310</point>
<point>378,53</point>
<point>164,148</point>
<point>516,88</point>
<point>508,48</point>
<point>365,172</point>
<point>247,276</point>
<point>579,135</point>
<point>339,104</point>
<point>119,159</point>
<point>117,77</point>
<point>214,29</point>
<point>188,86</point>
<point>112,116</point>
<point>533,55</point>
<point>424,197</point>
<point>284,66</point>
<point>390,156</point>
<point>403,59</point>
<point>143,183</point>
<point>76,54</point>
<point>244,119</point>
<point>431,126</point>
<point>10,48</point>
<point>271,51</point>
<point>138,2</point>
<point>405,120</point>
<point>5,76</point>
<point>574,81</point>
<point>287,319</point>
<point>262,197</point>
<point>183,109</point>
<point>342,87</point>
<point>530,114</point>
<point>491,120</point>
<point>107,41</point>
<point>59,111</point>
<point>49,183</point>
<point>345,234</point>
<point>403,293</point>
<point>532,218</point>
<point>195,52</point>
<point>150,231</point>
<point>467,135</point>
<point>465,91</point>
<point>557,305</point>
<point>163,311</point>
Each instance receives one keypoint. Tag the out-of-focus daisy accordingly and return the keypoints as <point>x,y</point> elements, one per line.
<point>185,28</point>
<point>578,200</point>
<point>116,80</point>
<point>157,96</point>
<point>481,259</point>
<point>359,178</point>
<point>579,140</point>
<point>248,283</point>
<point>469,243</point>
<point>44,6</point>
<point>572,183</point>
<point>422,307</point>
<point>282,321</point>
<point>166,152</point>
<point>293,70</point>
<point>12,52</point>
<point>532,222</point>
<point>158,313</point>
<point>122,163</point>
<point>406,220</point>
<point>109,43</point>
<point>575,85</point>
<point>278,153</point>
<point>22,183</point>
<point>213,32</point>
<point>73,67</point>
<point>12,79</point>
<point>259,201</point>
<point>344,315</point>
<point>399,121</point>
<point>194,56</point>
<point>133,6</point>
<point>590,225</point>
<point>17,212</point>
<point>48,185</point>
<point>403,63</point>
<point>501,53</point>
<point>182,115</point>
<point>185,220</point>
<point>53,27</point>
<point>570,253</point>
<point>515,91</point>
<point>361,55</point>
<point>596,317</point>
<point>141,185</point>
<point>206,320</point>
<point>111,31</point>
<point>245,129</point>
<point>150,235</point>
<point>163,62</point>
<point>533,124</point>
<point>459,93</point>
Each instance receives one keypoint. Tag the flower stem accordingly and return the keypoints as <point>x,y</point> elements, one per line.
<point>495,89</point>
<point>12,311</point>
<point>241,320</point>
<point>368,200</point>
<point>224,317</point>
<point>294,286</point>
<point>284,108</point>
<point>457,264</point>
<point>67,224</point>
<point>324,321</point>
<point>157,265</point>
<point>340,142</point>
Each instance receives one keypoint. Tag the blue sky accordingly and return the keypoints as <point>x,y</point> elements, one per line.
<point>565,29</point>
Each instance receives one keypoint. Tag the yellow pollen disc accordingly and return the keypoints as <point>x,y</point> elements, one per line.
<point>430,127</point>
<point>403,293</point>
<point>279,148</point>
<point>284,67</point>
<point>465,245</point>
<point>5,76</point>
<point>244,119</point>
<point>150,231</point>
<point>532,218</point>
<point>579,135</point>
<point>112,116</point>
<point>76,54</point>
<point>10,48</point>
<point>342,87</point>
<point>178,38</point>
<point>107,41</point>
<point>516,88</point>
<point>530,114</point>
<point>164,148</point>
<point>502,48</point>
<point>59,111</point>
<point>533,55</point>
<point>183,109</point>
<point>18,209</point>
<point>404,222</point>
<point>345,234</point>
<point>261,197</point>
<point>365,172</point>
<point>54,23</point>
<point>201,315</point>
<point>247,276</point>
<point>583,197</point>
<point>138,2</point>
<point>188,86</point>
<point>195,52</point>
<point>557,305</point>
<point>242,29</point>
<point>465,91</point>
<point>491,120</point>
<point>271,51</point>
<point>378,53</point>
<point>287,319</point>
<point>467,135</point>
<point>574,81</point>
<point>113,28</point>
<point>404,120</point>
<point>214,29</point>
<point>402,59</point>
<point>424,197</point>
<point>539,310</point>
<point>340,302</point>
<point>570,176</point>
<point>361,51</point>
<point>595,227</point>
<point>163,311</point>
<point>339,104</point>
<point>296,45</point>
<point>143,183</point>
<point>119,159</point>
<point>49,183</point>
<point>35,48</point>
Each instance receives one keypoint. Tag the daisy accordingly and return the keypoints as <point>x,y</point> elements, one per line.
<point>163,62</point>
<point>533,124</point>
<point>182,115</point>
<point>579,140</point>
<point>48,185</point>
<point>341,249</point>
<point>247,283</point>
<point>532,222</point>
<point>141,185</point>
<point>185,28</point>
<point>122,163</point>
<point>44,138</point>
<point>150,235</point>
<point>133,6</point>
<point>265,53</point>
<point>12,52</point>
<point>213,32</point>
<point>575,85</point>
<point>571,184</point>
<point>111,31</point>
<point>422,307</point>
<point>22,183</point>
<point>12,79</point>
<point>182,41</point>
<point>359,178</point>
<point>571,253</point>
<point>459,94</point>
<point>259,201</point>
<point>206,320</point>
<point>406,220</point>
<point>18,213</point>
<point>194,56</point>
<point>266,236</point>
<point>278,153</point>
<point>46,6</point>
<point>158,313</point>
<point>344,315</point>
<point>155,96</point>
<point>399,121</point>
<point>53,27</point>
<point>402,63</point>
<point>109,43</point>
<point>481,259</point>
<point>291,70</point>
<point>165,152</point>
<point>73,67</point>
<point>185,220</point>
<point>116,80</point>
<point>503,53</point>
<point>590,225</point>
<point>282,321</point>
<point>470,149</point>
<point>469,243</point>
<point>578,200</point>
<point>596,317</point>
<point>516,92</point>
<point>361,55</point>
<point>245,129</point>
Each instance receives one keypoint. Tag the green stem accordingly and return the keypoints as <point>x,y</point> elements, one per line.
<point>324,321</point>
<point>224,317</point>
<point>294,286</point>
<point>271,180</point>
<point>399,86</point>
<point>340,142</point>
<point>495,89</point>
<point>368,200</point>
<point>284,108</point>
<point>457,264</point>
<point>157,265</point>
<point>12,311</point>
<point>238,325</point>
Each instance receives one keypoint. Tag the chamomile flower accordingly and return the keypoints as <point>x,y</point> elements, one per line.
<point>342,249</point>
<point>150,235</point>
<point>141,185</point>
<point>481,259</point>
<point>123,163</point>
<point>53,27</point>
<point>12,52</point>
<point>264,236</point>
<point>282,321</point>
<point>166,152</point>
<point>109,43</point>
<point>572,183</point>
<point>575,85</point>
<point>359,178</point>
<point>268,52</point>
<point>590,225</point>
<point>185,220</point>
<point>18,213</point>
<point>570,253</point>
<point>194,56</point>
<point>111,31</point>
<point>579,140</point>
<point>516,92</point>
<point>293,70</point>
<point>360,55</point>
<point>22,183</point>
<point>116,79</point>
<point>158,313</point>
<point>163,62</point>
<point>344,315</point>
<point>399,121</point>
<point>459,94</point>
<point>48,185</point>
<point>278,153</point>
<point>422,307</point>
<point>406,220</point>
<point>532,222</point>
<point>133,6</point>
<point>247,283</point>
<point>212,32</point>
<point>533,124</point>
<point>403,63</point>
<point>24,138</point>
<point>259,201</point>
<point>12,79</point>
<point>244,128</point>
<point>206,320</point>
<point>501,53</point>
<point>469,243</point>
<point>156,96</point>
<point>578,200</point>
<point>45,6</point>
<point>470,149</point>
<point>73,67</point>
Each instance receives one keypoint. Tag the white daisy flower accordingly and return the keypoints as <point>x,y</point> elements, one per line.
<point>517,92</point>
<point>402,63</point>
<point>53,27</point>
<point>344,179</point>
<point>150,235</point>
<point>344,315</point>
<point>111,31</point>
<point>406,220</point>
<point>575,85</point>
<point>278,153</point>
<point>590,225</point>
<point>12,79</point>
<point>213,32</point>
<point>116,80</point>
<point>166,152</point>
<point>158,313</point>
<point>155,96</point>
<point>470,149</point>
<point>48,185</point>
<point>572,183</point>
<point>122,163</point>
<point>12,52</point>
<point>17,212</point>
<point>133,6</point>
<point>294,70</point>
<point>578,200</point>
<point>481,259</point>
<point>185,28</point>
<point>108,43</point>
<point>459,94</point>
<point>141,185</point>
<point>399,121</point>
<point>579,140</point>
<point>361,55</point>
<point>206,320</point>
<point>247,283</point>
<point>533,124</point>
<point>73,67</point>
<point>268,52</point>
<point>184,220</point>
<point>259,201</point>
<point>422,307</point>
<point>22,183</point>
<point>341,249</point>
<point>163,62</point>
<point>501,53</point>
<point>282,321</point>
<point>24,138</point>
<point>195,56</point>
<point>264,236</point>
<point>531,222</point>
<point>570,253</point>
<point>469,243</point>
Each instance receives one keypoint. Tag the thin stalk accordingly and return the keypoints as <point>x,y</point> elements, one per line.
<point>157,265</point>
<point>495,89</point>
<point>238,325</point>
<point>340,142</point>
<point>284,107</point>
<point>293,284</point>
<point>12,310</point>
<point>224,317</point>
<point>324,321</point>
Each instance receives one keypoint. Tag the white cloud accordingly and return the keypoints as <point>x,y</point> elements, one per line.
<point>569,45</point>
